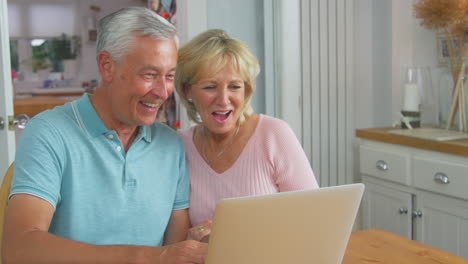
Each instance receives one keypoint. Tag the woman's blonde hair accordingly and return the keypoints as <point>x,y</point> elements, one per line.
<point>208,53</point>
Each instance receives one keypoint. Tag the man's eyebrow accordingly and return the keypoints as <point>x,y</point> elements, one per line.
<point>155,68</point>
<point>149,67</point>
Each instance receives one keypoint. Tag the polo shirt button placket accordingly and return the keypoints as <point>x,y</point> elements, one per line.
<point>118,148</point>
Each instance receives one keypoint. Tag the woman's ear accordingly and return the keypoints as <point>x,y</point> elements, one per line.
<point>188,92</point>
<point>106,66</point>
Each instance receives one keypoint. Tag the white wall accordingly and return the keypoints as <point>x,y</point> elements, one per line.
<point>363,69</point>
<point>388,39</point>
<point>243,19</point>
<point>88,63</point>
<point>289,66</point>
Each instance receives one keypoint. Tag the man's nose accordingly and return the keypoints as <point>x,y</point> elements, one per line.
<point>160,88</point>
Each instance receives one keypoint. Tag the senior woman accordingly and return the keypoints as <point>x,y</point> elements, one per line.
<point>231,151</point>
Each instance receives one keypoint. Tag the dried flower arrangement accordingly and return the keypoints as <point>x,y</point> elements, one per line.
<point>451,17</point>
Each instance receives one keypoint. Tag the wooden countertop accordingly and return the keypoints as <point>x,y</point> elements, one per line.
<point>36,104</point>
<point>456,147</point>
<point>379,246</point>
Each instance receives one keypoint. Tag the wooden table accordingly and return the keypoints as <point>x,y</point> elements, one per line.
<point>376,246</point>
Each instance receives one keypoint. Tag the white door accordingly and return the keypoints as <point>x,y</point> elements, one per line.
<point>7,136</point>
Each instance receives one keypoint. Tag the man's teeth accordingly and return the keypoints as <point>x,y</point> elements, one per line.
<point>150,105</point>
<point>222,113</point>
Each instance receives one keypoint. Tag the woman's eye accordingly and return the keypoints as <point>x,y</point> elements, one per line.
<point>209,87</point>
<point>170,76</point>
<point>236,86</point>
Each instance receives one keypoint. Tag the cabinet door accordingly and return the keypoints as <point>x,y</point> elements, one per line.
<point>442,222</point>
<point>387,209</point>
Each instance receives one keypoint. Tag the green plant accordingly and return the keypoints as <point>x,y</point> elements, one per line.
<point>40,57</point>
<point>65,48</point>
<point>14,55</point>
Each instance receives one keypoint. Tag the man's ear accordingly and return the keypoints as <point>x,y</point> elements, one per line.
<point>106,66</point>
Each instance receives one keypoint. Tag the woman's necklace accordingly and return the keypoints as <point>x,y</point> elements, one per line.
<point>209,161</point>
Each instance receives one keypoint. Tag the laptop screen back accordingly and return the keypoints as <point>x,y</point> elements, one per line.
<point>310,226</point>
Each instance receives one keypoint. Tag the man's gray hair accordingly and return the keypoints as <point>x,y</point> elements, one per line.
<point>116,31</point>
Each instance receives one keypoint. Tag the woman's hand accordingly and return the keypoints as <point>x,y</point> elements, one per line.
<point>186,252</point>
<point>200,232</point>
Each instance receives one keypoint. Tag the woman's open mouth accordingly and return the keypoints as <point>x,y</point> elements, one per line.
<point>221,116</point>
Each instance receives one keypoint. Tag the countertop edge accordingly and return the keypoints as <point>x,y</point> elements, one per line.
<point>455,147</point>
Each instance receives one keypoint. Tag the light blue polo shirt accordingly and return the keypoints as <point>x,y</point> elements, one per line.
<point>101,194</point>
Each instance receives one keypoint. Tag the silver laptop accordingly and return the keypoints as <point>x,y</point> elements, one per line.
<point>299,227</point>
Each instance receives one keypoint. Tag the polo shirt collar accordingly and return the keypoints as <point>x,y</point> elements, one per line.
<point>89,117</point>
<point>94,125</point>
<point>144,133</point>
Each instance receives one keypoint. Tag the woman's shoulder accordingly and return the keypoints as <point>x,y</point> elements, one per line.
<point>273,130</point>
<point>272,124</point>
<point>185,132</point>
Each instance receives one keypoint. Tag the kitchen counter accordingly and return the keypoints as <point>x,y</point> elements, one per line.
<point>78,91</point>
<point>456,147</point>
<point>32,106</point>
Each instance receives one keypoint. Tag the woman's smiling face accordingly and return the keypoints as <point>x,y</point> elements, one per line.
<point>219,99</point>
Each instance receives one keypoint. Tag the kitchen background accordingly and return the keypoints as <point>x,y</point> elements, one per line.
<point>328,66</point>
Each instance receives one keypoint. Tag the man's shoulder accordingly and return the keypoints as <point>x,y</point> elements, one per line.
<point>58,117</point>
<point>58,113</point>
<point>162,128</point>
<point>162,131</point>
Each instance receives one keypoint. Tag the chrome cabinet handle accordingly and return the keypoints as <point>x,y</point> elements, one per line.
<point>417,213</point>
<point>381,165</point>
<point>441,178</point>
<point>403,210</point>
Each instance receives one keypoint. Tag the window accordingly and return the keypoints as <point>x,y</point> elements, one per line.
<point>42,35</point>
<point>45,53</point>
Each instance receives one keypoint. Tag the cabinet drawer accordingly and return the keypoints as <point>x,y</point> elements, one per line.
<point>440,176</point>
<point>387,165</point>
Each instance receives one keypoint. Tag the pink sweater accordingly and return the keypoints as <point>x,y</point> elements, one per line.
<point>272,161</point>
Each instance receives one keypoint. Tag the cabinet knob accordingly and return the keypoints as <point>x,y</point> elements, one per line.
<point>417,213</point>
<point>441,178</point>
<point>403,210</point>
<point>381,165</point>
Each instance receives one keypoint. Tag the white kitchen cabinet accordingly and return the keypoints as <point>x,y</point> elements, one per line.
<point>416,193</point>
<point>387,208</point>
<point>443,222</point>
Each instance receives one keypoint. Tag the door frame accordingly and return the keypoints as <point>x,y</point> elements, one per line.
<point>7,137</point>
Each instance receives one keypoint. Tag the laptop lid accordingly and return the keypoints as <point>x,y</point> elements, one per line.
<point>309,226</point>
